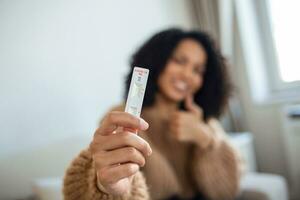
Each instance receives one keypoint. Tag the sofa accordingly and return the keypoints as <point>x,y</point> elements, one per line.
<point>254,185</point>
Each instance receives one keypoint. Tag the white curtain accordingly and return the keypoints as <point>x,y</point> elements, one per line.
<point>216,18</point>
<point>207,16</point>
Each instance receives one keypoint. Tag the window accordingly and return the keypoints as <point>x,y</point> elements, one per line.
<point>285,30</point>
<point>269,37</point>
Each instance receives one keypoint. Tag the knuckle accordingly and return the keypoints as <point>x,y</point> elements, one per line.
<point>126,138</point>
<point>131,151</point>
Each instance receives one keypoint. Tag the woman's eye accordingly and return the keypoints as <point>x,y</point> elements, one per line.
<point>179,60</point>
<point>198,70</point>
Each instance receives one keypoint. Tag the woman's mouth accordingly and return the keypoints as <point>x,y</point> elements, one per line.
<point>180,86</point>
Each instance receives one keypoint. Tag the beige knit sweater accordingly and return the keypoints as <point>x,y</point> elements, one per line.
<point>174,168</point>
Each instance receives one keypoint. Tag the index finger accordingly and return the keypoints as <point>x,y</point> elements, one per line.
<point>116,119</point>
<point>190,104</point>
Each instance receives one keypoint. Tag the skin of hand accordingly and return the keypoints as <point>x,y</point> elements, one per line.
<point>189,126</point>
<point>118,153</point>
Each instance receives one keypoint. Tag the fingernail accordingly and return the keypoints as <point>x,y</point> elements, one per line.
<point>144,124</point>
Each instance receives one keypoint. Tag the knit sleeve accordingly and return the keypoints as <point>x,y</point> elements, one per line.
<point>217,169</point>
<point>80,182</point>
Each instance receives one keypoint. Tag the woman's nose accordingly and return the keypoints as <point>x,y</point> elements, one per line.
<point>187,73</point>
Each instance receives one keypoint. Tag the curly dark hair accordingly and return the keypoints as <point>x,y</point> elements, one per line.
<point>154,54</point>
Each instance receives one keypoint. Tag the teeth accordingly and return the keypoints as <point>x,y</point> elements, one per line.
<point>181,85</point>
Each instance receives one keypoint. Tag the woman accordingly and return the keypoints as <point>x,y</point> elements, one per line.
<point>181,151</point>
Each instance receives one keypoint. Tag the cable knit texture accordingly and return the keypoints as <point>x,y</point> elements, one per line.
<point>80,182</point>
<point>174,168</point>
<point>217,170</point>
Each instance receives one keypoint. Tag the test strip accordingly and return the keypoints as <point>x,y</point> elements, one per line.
<point>137,91</point>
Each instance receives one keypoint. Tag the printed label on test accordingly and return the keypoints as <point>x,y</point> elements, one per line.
<point>137,91</point>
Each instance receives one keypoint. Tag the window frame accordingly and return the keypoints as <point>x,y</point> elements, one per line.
<point>277,85</point>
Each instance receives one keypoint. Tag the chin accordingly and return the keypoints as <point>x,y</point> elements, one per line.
<point>176,97</point>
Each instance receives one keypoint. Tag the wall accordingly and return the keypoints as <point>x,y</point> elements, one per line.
<point>62,65</point>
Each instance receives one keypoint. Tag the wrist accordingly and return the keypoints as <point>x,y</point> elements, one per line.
<point>204,137</point>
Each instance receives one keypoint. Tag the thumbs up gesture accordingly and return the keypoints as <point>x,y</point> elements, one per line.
<point>189,126</point>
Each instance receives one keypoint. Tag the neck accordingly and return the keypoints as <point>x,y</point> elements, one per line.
<point>164,106</point>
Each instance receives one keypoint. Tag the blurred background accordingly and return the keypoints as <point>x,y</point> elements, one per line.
<point>62,66</point>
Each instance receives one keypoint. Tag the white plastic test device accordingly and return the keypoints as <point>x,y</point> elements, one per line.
<point>137,91</point>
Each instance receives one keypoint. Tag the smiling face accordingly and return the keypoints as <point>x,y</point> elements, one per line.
<point>183,74</point>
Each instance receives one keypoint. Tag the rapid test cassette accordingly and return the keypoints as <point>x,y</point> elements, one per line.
<point>137,91</point>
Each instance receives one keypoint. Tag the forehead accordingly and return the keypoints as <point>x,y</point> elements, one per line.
<point>190,47</point>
